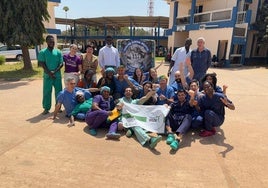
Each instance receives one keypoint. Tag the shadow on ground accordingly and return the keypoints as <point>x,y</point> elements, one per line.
<point>61,118</point>
<point>11,85</point>
<point>219,140</point>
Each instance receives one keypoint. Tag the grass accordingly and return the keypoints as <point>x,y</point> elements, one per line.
<point>15,71</point>
<point>159,59</point>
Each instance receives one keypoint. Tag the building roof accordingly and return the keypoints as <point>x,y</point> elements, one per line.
<point>117,22</point>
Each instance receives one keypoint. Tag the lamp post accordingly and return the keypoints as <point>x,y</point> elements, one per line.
<point>66,9</point>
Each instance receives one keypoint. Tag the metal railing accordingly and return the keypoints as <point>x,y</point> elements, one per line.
<point>241,17</point>
<point>204,17</point>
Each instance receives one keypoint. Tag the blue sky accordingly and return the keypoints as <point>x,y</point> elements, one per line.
<point>99,8</point>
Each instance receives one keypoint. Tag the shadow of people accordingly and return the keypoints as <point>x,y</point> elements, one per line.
<point>12,84</point>
<point>101,132</point>
<point>190,137</point>
<point>218,139</point>
<point>61,118</point>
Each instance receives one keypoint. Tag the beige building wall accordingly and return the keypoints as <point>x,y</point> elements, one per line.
<point>216,4</point>
<point>184,8</point>
<point>51,23</point>
<point>171,13</point>
<point>179,38</point>
<point>212,37</point>
<point>254,8</point>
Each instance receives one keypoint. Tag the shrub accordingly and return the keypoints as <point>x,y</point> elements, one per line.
<point>2,60</point>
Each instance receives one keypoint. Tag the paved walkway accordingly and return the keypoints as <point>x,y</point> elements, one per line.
<point>35,152</point>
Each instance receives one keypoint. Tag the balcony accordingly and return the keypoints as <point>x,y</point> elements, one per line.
<point>213,16</point>
<point>205,17</point>
<point>241,17</point>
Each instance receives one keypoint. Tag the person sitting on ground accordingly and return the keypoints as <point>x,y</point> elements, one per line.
<point>108,80</point>
<point>211,105</point>
<point>139,76</point>
<point>178,120</point>
<point>97,116</point>
<point>67,97</point>
<point>88,83</point>
<point>153,76</point>
<point>215,61</point>
<point>181,81</point>
<point>140,133</point>
<point>122,82</point>
<point>165,92</point>
<point>195,94</point>
<point>147,87</point>
<point>80,110</point>
<point>212,78</point>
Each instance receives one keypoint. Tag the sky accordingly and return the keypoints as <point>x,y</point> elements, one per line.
<point>99,8</point>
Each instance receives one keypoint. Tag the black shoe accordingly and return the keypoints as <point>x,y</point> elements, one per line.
<point>45,112</point>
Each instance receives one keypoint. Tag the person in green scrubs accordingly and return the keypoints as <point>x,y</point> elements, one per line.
<point>52,61</point>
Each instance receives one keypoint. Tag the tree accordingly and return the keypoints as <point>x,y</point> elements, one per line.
<point>262,23</point>
<point>21,22</point>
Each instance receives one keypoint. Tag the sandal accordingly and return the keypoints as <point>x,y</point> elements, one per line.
<point>170,138</point>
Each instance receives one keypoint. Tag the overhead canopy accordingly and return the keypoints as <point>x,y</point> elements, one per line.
<point>122,21</point>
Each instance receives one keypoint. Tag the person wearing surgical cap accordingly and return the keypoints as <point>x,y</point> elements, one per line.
<point>80,110</point>
<point>108,80</point>
<point>97,116</point>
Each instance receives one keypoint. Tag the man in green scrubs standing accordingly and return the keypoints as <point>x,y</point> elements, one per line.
<point>52,61</point>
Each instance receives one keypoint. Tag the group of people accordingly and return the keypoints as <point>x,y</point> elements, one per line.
<point>192,95</point>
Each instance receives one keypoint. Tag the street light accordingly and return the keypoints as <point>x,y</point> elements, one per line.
<point>66,9</point>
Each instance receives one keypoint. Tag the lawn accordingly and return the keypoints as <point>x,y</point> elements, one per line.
<point>14,70</point>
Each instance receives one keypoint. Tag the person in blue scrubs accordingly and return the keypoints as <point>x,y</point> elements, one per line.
<point>212,106</point>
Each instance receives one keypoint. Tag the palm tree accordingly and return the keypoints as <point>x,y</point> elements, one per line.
<point>66,9</point>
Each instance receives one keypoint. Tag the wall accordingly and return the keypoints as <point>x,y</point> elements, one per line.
<point>211,5</point>
<point>51,23</point>
<point>254,8</point>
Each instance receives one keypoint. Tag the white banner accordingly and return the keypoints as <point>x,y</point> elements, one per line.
<point>149,117</point>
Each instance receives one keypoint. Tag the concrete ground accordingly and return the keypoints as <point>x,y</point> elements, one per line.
<point>37,152</point>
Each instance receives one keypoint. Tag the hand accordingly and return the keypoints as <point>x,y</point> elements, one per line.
<point>152,92</point>
<point>126,77</point>
<point>224,101</point>
<point>194,102</point>
<point>110,113</point>
<point>119,106</point>
<point>224,87</point>
<point>162,97</point>
<point>191,93</point>
<point>70,124</point>
<point>51,75</point>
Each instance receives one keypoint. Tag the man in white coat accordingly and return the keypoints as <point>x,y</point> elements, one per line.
<point>180,56</point>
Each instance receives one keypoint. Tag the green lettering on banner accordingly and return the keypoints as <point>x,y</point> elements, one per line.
<point>139,118</point>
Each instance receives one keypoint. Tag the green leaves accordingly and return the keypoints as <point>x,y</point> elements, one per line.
<point>21,22</point>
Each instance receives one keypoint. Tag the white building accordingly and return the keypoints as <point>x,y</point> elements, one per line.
<point>51,24</point>
<point>227,26</point>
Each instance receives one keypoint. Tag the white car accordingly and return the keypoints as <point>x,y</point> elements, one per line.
<point>11,52</point>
